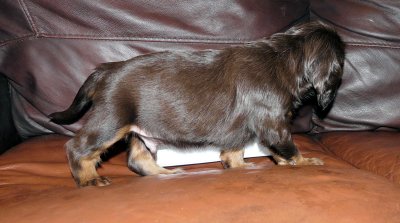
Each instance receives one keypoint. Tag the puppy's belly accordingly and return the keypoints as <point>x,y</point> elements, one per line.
<point>150,142</point>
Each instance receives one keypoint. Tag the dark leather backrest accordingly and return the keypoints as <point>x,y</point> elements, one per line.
<point>48,48</point>
<point>369,97</point>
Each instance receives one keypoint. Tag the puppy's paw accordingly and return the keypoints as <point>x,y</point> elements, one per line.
<point>174,171</point>
<point>98,182</point>
<point>242,164</point>
<point>298,160</point>
<point>162,170</point>
<point>311,161</point>
<point>248,164</point>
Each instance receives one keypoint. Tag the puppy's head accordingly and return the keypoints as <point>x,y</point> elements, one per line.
<point>323,59</point>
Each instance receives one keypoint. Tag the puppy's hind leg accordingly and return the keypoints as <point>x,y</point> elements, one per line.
<point>141,161</point>
<point>83,168</point>
<point>233,158</point>
<point>84,152</point>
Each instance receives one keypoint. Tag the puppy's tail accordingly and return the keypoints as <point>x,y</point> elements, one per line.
<point>81,104</point>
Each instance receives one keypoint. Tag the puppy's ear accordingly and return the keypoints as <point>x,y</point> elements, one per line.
<point>326,95</point>
<point>323,62</point>
<point>325,75</point>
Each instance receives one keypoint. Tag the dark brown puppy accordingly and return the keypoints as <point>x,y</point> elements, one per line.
<point>224,98</point>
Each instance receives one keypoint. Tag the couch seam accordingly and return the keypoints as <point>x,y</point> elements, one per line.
<point>145,39</point>
<point>345,28</point>
<point>28,17</point>
<point>171,40</point>
<point>327,150</point>
<point>17,39</point>
<point>31,23</point>
<point>380,45</point>
<point>175,39</point>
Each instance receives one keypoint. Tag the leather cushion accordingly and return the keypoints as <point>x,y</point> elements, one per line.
<point>378,152</point>
<point>37,187</point>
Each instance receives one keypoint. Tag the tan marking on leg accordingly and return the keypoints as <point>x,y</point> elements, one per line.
<point>280,160</point>
<point>88,175</point>
<point>233,158</point>
<point>142,162</point>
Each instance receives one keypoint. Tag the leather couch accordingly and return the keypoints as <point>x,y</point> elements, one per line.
<point>48,48</point>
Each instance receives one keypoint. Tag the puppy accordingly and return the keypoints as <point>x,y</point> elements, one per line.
<point>224,98</point>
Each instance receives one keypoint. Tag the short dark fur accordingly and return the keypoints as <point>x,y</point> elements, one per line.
<point>225,98</point>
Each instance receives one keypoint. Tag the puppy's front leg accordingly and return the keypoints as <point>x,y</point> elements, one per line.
<point>288,154</point>
<point>233,158</point>
<point>284,150</point>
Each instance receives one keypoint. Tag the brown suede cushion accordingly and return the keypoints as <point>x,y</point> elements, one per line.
<point>37,187</point>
